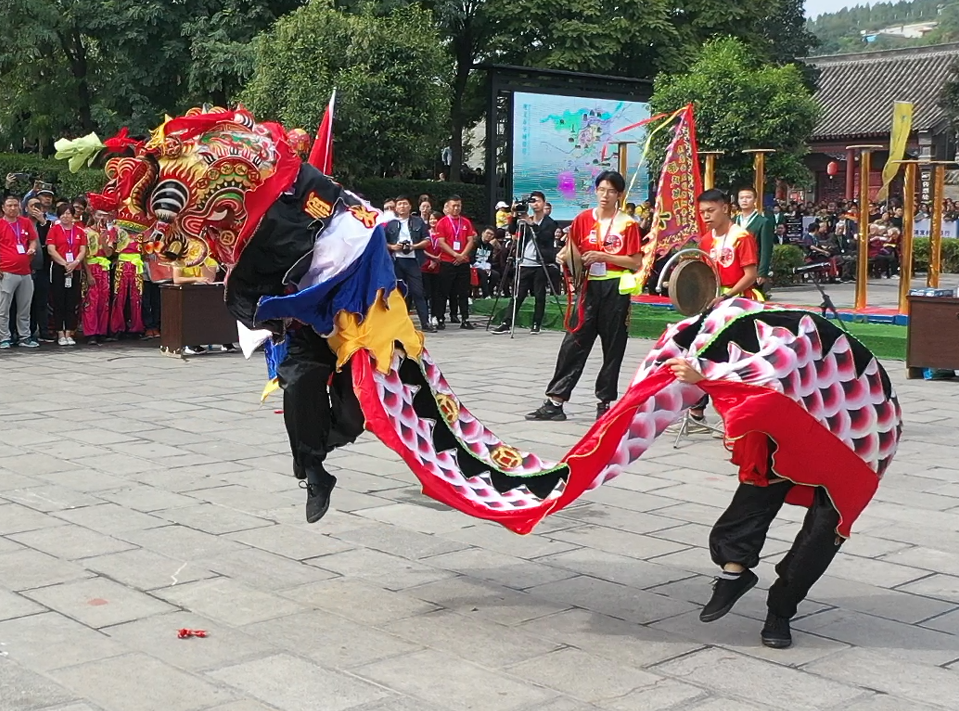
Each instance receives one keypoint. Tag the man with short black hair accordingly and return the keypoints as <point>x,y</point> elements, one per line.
<point>455,241</point>
<point>407,237</point>
<point>760,227</point>
<point>18,245</point>
<point>536,237</point>
<point>608,242</point>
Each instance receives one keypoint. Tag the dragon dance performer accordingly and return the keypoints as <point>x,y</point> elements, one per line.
<point>127,313</point>
<point>609,241</point>
<point>95,310</point>
<point>736,254</point>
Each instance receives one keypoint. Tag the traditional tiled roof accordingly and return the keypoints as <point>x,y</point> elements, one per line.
<point>857,91</point>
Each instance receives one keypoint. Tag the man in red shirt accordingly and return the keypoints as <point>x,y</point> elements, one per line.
<point>455,241</point>
<point>18,244</point>
<point>609,242</point>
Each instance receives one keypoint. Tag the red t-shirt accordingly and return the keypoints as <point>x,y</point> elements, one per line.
<point>15,239</point>
<point>731,253</point>
<point>457,232</point>
<point>67,242</point>
<point>619,237</point>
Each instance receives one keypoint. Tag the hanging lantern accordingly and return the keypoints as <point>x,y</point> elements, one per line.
<point>832,169</point>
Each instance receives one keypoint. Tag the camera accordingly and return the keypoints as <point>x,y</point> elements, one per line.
<point>521,205</point>
<point>22,176</point>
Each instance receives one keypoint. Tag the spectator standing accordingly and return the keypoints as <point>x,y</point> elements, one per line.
<point>39,310</point>
<point>756,224</point>
<point>407,238</point>
<point>426,208</point>
<point>67,245</point>
<point>430,269</point>
<point>18,245</point>
<point>455,239</point>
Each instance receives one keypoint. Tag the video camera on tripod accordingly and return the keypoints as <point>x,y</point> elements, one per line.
<point>520,205</point>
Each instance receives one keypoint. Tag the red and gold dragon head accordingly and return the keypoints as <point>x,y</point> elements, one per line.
<point>200,185</point>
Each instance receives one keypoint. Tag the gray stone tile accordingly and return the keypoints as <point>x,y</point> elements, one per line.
<point>359,601</point>
<point>492,536</point>
<point>212,518</point>
<point>615,568</point>
<point>584,676</point>
<point>228,601</point>
<point>147,499</point>
<point>265,571</point>
<point>110,519</point>
<point>884,702</point>
<point>619,542</point>
<point>418,518</point>
<point>47,498</point>
<point>98,602</point>
<point>157,637</point>
<point>941,587</point>
<point>13,605</point>
<point>23,690</point>
<point>291,684</point>
<point>51,641</point>
<point>331,641</point>
<point>293,543</point>
<point>389,571</point>
<point>662,695</point>
<point>26,569</point>
<point>452,683</point>
<point>500,568</point>
<point>182,543</point>
<point>140,682</point>
<point>15,518</point>
<point>891,604</point>
<point>146,570</point>
<point>611,599</point>
<point>725,672</point>
<point>71,542</point>
<point>243,499</point>
<point>398,541</point>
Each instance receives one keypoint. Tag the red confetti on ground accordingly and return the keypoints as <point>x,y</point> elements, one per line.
<point>186,633</point>
<point>97,601</point>
<point>278,412</point>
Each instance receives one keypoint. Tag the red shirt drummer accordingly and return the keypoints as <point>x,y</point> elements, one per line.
<point>731,247</point>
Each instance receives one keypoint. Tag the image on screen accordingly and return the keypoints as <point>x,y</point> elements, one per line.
<point>561,143</point>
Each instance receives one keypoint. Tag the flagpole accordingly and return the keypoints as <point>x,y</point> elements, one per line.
<point>862,256</point>
<point>908,230</point>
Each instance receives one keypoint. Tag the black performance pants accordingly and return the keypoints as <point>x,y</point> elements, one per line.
<point>321,412</point>
<point>531,280</point>
<point>454,283</point>
<point>605,314</point>
<point>66,301</point>
<point>740,532</point>
<point>408,270</point>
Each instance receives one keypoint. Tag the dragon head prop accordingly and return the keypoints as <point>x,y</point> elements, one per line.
<point>199,186</point>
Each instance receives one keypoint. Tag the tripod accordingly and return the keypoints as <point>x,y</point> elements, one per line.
<point>524,236</point>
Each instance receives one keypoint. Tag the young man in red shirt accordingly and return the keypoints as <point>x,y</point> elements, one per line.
<point>18,244</point>
<point>609,241</point>
<point>736,254</point>
<point>455,241</point>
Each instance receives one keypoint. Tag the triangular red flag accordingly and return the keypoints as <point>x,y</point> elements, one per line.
<point>321,155</point>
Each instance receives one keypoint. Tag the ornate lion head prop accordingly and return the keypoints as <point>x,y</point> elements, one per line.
<point>199,186</point>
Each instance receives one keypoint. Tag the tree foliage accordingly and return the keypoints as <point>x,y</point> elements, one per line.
<point>842,31</point>
<point>390,106</point>
<point>741,103</point>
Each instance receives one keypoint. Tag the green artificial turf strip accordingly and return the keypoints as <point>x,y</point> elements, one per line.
<point>885,340</point>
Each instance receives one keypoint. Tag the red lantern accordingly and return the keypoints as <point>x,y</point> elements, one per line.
<point>832,169</point>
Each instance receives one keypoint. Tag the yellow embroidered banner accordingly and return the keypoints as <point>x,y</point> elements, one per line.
<point>898,138</point>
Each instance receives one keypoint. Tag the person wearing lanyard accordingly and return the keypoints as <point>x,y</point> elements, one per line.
<point>67,245</point>
<point>610,242</point>
<point>101,237</point>
<point>455,236</point>
<point>736,255</point>
<point>18,244</point>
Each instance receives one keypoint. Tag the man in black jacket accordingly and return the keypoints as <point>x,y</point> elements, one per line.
<point>535,249</point>
<point>407,237</point>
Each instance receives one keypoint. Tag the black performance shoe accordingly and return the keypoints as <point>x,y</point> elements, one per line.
<point>548,412</point>
<point>467,326</point>
<point>776,632</point>
<point>534,331</point>
<point>318,486</point>
<point>441,325</point>
<point>726,592</point>
<point>601,409</point>
<point>501,329</point>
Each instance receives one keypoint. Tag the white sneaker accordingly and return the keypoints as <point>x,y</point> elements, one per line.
<point>62,341</point>
<point>70,341</point>
<point>191,351</point>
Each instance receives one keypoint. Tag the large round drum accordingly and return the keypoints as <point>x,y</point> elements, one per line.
<point>692,287</point>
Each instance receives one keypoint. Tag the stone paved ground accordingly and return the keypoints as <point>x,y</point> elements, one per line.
<point>140,495</point>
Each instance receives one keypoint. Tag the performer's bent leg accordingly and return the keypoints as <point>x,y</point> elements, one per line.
<point>613,327</point>
<point>813,550</point>
<point>737,540</point>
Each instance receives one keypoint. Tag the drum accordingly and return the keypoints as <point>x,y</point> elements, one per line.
<point>692,286</point>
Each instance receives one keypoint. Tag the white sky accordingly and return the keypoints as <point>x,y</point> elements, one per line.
<point>815,8</point>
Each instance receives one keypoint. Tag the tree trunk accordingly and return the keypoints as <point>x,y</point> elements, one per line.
<point>464,64</point>
<point>76,55</point>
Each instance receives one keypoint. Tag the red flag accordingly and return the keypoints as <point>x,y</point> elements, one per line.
<point>321,155</point>
<point>676,218</point>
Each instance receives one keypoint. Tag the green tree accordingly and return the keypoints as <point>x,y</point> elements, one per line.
<point>391,107</point>
<point>741,103</point>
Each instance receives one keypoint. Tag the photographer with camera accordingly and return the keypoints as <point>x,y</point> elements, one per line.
<point>407,238</point>
<point>534,248</point>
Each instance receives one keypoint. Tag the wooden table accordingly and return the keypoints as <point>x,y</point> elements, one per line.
<point>194,315</point>
<point>932,335</point>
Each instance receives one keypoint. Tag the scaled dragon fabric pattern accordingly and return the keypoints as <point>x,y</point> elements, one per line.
<point>304,252</point>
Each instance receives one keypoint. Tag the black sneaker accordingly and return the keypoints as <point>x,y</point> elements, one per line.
<point>548,412</point>
<point>601,409</point>
<point>467,326</point>
<point>776,632</point>
<point>534,331</point>
<point>726,592</point>
<point>429,328</point>
<point>501,329</point>
<point>441,325</point>
<point>454,319</point>
<point>318,486</point>
<point>92,341</point>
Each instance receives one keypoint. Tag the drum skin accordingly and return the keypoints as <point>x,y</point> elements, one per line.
<point>692,287</point>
